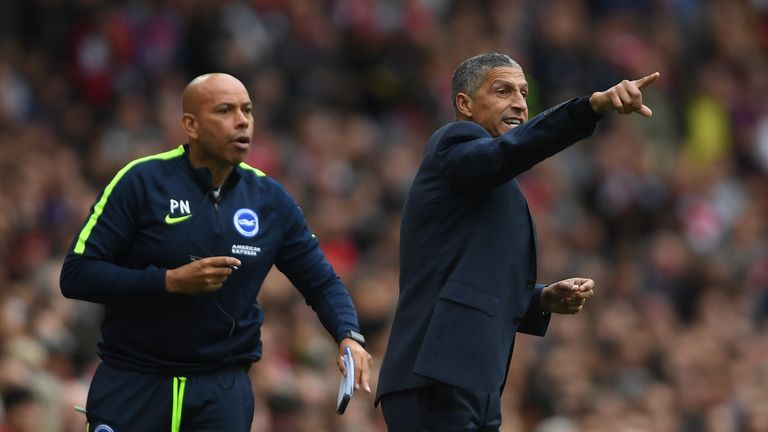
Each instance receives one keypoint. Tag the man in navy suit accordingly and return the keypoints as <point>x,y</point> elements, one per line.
<point>468,253</point>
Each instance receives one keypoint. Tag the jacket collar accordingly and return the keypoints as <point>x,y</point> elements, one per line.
<point>203,177</point>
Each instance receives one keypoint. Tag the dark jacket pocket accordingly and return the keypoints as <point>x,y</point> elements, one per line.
<point>462,293</point>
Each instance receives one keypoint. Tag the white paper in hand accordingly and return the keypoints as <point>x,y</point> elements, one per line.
<point>347,384</point>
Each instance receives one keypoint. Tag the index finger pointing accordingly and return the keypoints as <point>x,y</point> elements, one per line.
<point>646,80</point>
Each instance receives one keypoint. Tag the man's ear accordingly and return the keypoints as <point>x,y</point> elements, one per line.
<point>189,121</point>
<point>464,105</point>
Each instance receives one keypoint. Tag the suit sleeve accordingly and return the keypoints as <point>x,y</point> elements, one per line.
<point>469,157</point>
<point>535,321</point>
<point>303,262</point>
<point>91,271</point>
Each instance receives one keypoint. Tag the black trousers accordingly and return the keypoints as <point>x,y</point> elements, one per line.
<point>442,408</point>
<point>126,401</point>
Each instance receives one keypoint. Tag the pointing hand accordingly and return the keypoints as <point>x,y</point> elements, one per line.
<point>625,97</point>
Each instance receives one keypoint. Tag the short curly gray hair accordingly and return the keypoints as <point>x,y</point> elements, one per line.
<point>469,75</point>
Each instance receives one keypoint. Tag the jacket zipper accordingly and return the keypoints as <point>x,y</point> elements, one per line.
<point>216,221</point>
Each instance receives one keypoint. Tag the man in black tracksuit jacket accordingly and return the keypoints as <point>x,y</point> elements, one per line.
<point>468,249</point>
<point>176,247</point>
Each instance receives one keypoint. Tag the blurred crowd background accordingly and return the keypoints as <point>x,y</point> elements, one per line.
<point>669,215</point>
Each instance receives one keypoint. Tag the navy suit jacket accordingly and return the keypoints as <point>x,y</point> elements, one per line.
<point>468,254</point>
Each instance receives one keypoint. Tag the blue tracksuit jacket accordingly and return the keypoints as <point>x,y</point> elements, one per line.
<point>156,214</point>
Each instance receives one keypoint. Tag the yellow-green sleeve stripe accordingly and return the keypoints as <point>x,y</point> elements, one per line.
<point>99,207</point>
<point>258,172</point>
